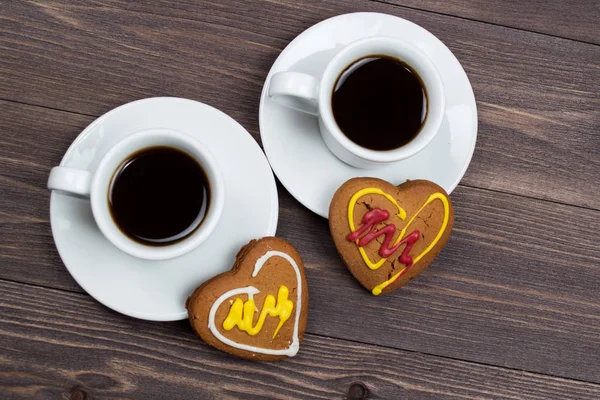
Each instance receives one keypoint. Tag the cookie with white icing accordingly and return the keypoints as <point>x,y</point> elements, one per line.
<point>258,309</point>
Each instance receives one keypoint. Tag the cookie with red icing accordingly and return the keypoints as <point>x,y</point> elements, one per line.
<point>386,234</point>
<point>258,309</point>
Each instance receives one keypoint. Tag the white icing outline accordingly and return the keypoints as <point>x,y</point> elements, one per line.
<point>292,350</point>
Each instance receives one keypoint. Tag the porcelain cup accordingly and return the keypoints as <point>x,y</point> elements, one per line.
<point>95,186</point>
<point>310,94</point>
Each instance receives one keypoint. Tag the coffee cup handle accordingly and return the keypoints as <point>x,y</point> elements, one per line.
<point>295,90</point>
<point>70,181</point>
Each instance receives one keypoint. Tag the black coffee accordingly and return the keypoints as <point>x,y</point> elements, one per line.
<point>159,196</point>
<point>379,103</point>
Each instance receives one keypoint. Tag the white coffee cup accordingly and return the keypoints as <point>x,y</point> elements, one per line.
<point>96,185</point>
<point>306,93</point>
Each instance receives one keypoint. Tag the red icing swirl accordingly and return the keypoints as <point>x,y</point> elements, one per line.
<point>369,224</point>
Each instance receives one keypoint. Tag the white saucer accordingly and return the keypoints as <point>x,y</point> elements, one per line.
<point>156,290</point>
<point>293,144</point>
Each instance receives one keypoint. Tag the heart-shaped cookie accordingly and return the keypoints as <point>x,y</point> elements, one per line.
<point>258,309</point>
<point>387,235</point>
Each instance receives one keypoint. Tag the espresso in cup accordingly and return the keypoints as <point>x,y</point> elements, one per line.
<point>379,103</point>
<point>159,196</point>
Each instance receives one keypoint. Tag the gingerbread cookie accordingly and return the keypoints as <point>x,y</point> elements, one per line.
<point>387,235</point>
<point>258,309</point>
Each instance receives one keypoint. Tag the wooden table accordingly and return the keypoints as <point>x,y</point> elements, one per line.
<point>511,308</point>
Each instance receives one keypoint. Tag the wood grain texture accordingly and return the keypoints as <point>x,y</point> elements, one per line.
<point>569,19</point>
<point>537,95</point>
<point>106,355</point>
<point>518,277</point>
<point>32,141</point>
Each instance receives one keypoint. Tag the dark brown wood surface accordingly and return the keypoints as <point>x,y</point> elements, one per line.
<point>576,19</point>
<point>110,356</point>
<point>510,309</point>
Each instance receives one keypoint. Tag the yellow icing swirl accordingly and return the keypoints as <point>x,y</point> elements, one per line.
<point>241,314</point>
<point>402,215</point>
